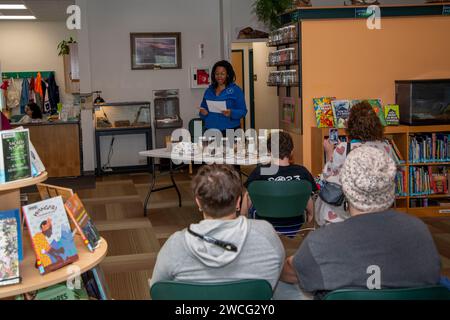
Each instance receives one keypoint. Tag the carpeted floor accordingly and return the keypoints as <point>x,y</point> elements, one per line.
<point>116,205</point>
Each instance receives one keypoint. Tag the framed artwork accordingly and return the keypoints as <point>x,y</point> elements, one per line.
<point>155,50</point>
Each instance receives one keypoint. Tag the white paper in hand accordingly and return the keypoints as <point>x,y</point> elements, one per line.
<point>216,106</point>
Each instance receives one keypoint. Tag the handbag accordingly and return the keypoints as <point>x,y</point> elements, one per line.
<point>331,192</point>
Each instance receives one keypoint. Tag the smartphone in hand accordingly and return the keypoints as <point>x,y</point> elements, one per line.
<point>334,136</point>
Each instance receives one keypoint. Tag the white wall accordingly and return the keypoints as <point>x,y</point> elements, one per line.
<point>107,54</point>
<point>110,23</point>
<point>242,16</point>
<point>32,46</point>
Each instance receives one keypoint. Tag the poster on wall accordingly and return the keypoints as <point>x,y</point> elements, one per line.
<point>291,114</point>
<point>200,77</point>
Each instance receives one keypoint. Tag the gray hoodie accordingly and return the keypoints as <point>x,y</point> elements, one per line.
<point>184,257</point>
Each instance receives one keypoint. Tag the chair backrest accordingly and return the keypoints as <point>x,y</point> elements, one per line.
<point>235,290</point>
<point>280,199</point>
<point>421,293</point>
<point>191,128</point>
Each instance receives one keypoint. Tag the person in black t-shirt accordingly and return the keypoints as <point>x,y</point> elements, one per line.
<point>286,172</point>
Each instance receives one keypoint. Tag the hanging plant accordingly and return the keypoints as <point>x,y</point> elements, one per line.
<point>268,11</point>
<point>64,48</point>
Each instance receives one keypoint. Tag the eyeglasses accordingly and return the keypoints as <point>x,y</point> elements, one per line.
<point>224,245</point>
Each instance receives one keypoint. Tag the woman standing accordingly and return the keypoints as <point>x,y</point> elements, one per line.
<point>223,104</point>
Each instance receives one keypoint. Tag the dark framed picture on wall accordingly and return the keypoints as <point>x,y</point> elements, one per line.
<point>155,50</point>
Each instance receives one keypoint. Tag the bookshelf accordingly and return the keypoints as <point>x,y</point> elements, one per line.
<point>402,136</point>
<point>31,278</point>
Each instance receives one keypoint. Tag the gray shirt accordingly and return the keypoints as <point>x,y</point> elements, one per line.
<point>260,253</point>
<point>338,255</point>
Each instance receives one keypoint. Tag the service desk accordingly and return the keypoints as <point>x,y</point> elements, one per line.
<point>58,145</point>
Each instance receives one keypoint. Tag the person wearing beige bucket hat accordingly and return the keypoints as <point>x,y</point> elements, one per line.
<point>368,179</point>
<point>340,255</point>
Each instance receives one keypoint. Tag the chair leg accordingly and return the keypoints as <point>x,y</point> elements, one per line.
<point>190,169</point>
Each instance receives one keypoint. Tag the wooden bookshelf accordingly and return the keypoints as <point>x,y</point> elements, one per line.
<point>31,278</point>
<point>400,135</point>
<point>10,192</point>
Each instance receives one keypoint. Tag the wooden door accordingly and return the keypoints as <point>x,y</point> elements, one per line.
<point>237,60</point>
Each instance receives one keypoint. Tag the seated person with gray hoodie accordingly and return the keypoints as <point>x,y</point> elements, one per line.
<point>246,249</point>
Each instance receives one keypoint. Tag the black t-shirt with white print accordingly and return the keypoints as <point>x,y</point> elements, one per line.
<point>284,173</point>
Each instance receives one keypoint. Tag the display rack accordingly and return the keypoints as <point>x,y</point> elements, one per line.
<point>10,192</point>
<point>31,278</point>
<point>400,135</point>
<point>289,90</point>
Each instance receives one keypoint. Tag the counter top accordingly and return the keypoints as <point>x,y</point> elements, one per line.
<point>44,123</point>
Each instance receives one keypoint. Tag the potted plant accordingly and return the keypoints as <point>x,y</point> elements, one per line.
<point>269,11</point>
<point>64,48</point>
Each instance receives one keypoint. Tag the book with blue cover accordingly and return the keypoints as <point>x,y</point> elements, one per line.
<point>10,245</point>
<point>341,111</point>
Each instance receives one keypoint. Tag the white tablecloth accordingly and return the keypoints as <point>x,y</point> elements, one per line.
<point>200,158</point>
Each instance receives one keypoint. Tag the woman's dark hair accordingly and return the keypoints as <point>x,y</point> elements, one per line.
<point>364,124</point>
<point>36,111</point>
<point>285,145</point>
<point>217,187</point>
<point>231,76</point>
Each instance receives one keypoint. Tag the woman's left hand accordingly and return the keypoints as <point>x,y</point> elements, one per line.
<point>227,113</point>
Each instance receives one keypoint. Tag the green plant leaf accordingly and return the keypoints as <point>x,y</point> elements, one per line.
<point>269,11</point>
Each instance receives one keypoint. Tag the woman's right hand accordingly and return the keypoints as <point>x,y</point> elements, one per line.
<point>204,111</point>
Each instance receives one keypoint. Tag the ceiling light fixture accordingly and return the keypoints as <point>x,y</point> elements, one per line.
<point>2,17</point>
<point>12,7</point>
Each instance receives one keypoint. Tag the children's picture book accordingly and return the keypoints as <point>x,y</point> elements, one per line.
<point>56,292</point>
<point>378,108</point>
<point>392,114</point>
<point>37,167</point>
<point>354,102</point>
<point>15,161</point>
<point>9,247</point>
<point>95,283</point>
<point>341,111</point>
<point>82,222</point>
<point>15,214</point>
<point>47,191</point>
<point>324,112</point>
<point>50,234</point>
